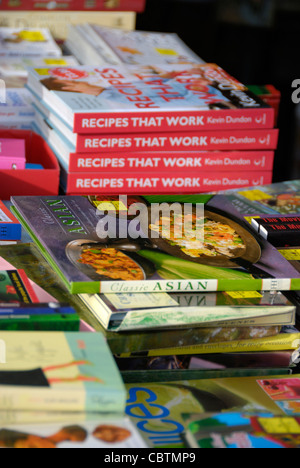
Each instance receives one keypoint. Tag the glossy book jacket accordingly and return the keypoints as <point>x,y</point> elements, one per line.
<point>95,246</point>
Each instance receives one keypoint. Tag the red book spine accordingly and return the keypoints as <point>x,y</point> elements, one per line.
<point>157,182</point>
<point>175,162</point>
<point>181,141</point>
<point>137,6</point>
<point>173,121</point>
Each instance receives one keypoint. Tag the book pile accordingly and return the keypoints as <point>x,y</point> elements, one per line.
<point>183,303</point>
<point>20,47</point>
<point>173,319</point>
<point>142,310</point>
<point>178,126</point>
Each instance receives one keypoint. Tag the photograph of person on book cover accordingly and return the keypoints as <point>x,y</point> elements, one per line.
<point>163,88</point>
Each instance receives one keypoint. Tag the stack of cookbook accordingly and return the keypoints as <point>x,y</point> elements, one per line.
<point>163,122</point>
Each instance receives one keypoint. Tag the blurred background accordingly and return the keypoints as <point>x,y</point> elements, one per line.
<point>256,41</point>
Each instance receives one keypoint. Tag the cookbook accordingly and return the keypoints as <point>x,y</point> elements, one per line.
<point>119,99</point>
<point>195,243</point>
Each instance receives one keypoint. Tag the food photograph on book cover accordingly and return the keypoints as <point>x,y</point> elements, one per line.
<point>149,226</point>
<point>83,251</point>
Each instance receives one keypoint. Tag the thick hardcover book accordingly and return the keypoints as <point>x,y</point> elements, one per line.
<point>115,99</point>
<point>75,5</point>
<point>123,244</point>
<point>188,181</point>
<point>123,312</point>
<point>241,430</point>
<point>59,371</point>
<point>10,228</point>
<point>276,395</point>
<point>22,42</point>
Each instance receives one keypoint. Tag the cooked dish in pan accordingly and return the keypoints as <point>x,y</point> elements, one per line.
<point>112,263</point>
<point>217,238</point>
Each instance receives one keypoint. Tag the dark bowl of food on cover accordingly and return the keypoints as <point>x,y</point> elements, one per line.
<point>107,262</point>
<point>221,241</point>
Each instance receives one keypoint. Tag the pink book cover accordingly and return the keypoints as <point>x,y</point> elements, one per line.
<point>12,153</point>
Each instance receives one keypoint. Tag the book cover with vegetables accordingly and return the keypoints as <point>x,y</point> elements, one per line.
<point>152,244</point>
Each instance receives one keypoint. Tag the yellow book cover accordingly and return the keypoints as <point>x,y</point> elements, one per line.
<point>57,371</point>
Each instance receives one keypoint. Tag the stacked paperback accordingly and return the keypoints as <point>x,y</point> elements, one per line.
<point>179,126</point>
<point>19,48</point>
<point>168,304</point>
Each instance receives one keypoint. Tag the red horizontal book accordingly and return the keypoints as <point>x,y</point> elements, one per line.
<point>173,161</point>
<point>222,140</point>
<point>158,182</point>
<point>137,6</point>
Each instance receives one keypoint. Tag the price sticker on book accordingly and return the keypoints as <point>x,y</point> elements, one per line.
<point>290,254</point>
<point>244,294</point>
<point>280,425</point>
<point>55,61</point>
<point>111,205</point>
<point>249,218</point>
<point>32,36</point>
<point>255,195</point>
<point>166,51</point>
